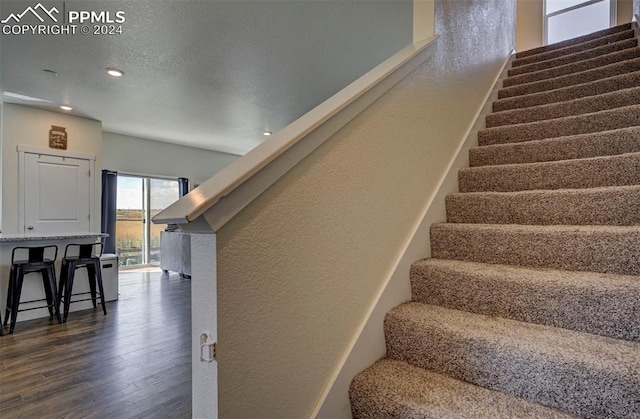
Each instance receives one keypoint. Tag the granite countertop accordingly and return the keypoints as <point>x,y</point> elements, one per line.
<point>19,237</point>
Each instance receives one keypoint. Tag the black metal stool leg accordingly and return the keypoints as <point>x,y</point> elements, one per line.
<point>91,274</point>
<point>54,295</point>
<point>46,284</point>
<point>68,290</point>
<point>17,291</point>
<point>98,272</point>
<point>62,285</point>
<point>7,312</point>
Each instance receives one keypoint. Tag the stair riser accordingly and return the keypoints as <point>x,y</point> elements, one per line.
<point>623,170</point>
<point>578,304</point>
<point>600,207</point>
<point>571,387</point>
<point>608,85</point>
<point>628,116</point>
<point>575,58</point>
<point>572,68</point>
<point>627,97</point>
<point>550,55</point>
<point>571,79</point>
<point>594,251</point>
<point>575,41</point>
<point>566,148</point>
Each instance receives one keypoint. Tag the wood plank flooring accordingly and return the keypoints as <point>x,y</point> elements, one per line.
<point>135,362</point>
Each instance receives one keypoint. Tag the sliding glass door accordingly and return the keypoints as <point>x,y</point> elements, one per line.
<point>139,199</point>
<point>162,193</point>
<point>130,220</point>
<point>565,19</point>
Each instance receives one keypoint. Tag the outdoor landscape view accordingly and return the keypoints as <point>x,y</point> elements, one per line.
<point>139,200</point>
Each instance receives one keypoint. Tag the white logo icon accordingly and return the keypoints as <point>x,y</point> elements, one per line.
<point>33,11</point>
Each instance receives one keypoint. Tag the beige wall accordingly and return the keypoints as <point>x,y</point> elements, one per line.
<point>529,24</point>
<point>300,266</point>
<point>30,126</point>
<point>423,19</point>
<point>529,21</point>
<point>625,11</point>
<point>123,153</point>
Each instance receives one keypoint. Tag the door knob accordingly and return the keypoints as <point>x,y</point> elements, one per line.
<point>29,227</point>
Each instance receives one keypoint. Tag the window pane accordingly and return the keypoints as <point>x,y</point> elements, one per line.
<point>130,221</point>
<point>555,5</point>
<point>579,22</point>
<point>162,193</point>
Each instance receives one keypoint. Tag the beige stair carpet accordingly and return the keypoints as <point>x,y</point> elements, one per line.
<point>574,41</point>
<point>605,85</point>
<point>530,304</point>
<point>606,143</point>
<point>573,58</point>
<point>601,60</point>
<point>572,49</point>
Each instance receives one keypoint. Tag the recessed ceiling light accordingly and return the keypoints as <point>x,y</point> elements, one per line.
<point>115,72</point>
<point>66,107</point>
<point>267,133</point>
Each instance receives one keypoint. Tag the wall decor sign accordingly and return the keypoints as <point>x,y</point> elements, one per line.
<point>58,137</point>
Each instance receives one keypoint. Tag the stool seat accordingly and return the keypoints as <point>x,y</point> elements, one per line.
<point>35,262</point>
<point>33,266</point>
<point>81,256</point>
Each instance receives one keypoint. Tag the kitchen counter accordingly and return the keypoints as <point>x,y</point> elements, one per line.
<point>20,237</point>
<point>32,288</point>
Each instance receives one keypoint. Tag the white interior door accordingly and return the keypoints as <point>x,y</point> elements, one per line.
<point>57,194</point>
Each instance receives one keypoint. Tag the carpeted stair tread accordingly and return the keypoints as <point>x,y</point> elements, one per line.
<point>599,61</point>
<point>607,249</point>
<point>574,58</point>
<point>612,100</point>
<point>589,375</point>
<point>395,389</point>
<point>572,49</point>
<point>607,143</point>
<point>613,205</point>
<point>592,89</point>
<point>572,79</point>
<point>594,172</point>
<point>530,303</point>
<point>603,304</point>
<point>609,119</point>
<point>574,41</point>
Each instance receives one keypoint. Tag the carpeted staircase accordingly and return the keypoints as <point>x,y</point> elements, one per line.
<point>530,305</point>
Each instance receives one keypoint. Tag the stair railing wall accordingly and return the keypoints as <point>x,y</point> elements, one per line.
<point>208,207</point>
<point>418,247</point>
<point>307,235</point>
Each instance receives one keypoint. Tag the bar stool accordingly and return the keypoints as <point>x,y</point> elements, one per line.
<point>84,256</point>
<point>35,262</point>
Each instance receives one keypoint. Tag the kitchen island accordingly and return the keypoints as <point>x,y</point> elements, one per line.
<point>32,288</point>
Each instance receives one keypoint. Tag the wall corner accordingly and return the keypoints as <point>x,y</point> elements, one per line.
<point>423,19</point>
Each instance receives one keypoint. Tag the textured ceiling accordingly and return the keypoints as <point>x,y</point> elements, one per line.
<point>209,74</point>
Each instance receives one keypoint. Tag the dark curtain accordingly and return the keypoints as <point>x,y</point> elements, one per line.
<point>109,197</point>
<point>183,186</point>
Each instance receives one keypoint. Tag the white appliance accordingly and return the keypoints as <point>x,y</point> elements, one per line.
<point>109,267</point>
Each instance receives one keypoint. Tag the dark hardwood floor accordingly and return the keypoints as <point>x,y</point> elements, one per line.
<point>135,362</point>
